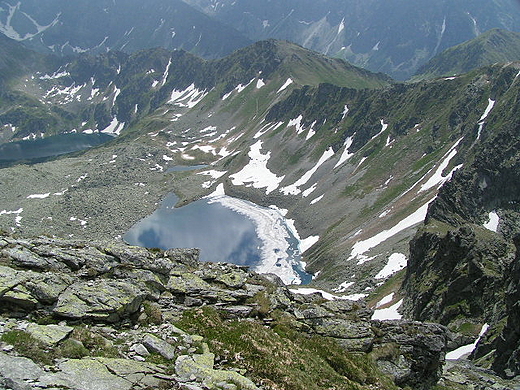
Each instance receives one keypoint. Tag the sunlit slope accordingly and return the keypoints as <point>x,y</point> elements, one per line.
<point>494,46</point>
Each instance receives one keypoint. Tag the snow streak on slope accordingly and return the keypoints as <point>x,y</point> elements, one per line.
<point>465,350</point>
<point>294,189</point>
<point>297,122</point>
<point>287,83</point>
<point>346,154</point>
<point>390,313</point>
<point>8,30</point>
<point>324,294</point>
<point>256,174</point>
<point>482,120</point>
<point>114,128</point>
<point>396,262</point>
<point>364,246</point>
<point>238,89</point>
<point>384,126</point>
<point>437,179</point>
<point>189,97</point>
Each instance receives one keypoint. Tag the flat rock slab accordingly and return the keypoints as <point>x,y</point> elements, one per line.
<point>49,334</point>
<point>101,299</point>
<point>100,374</point>
<point>18,369</point>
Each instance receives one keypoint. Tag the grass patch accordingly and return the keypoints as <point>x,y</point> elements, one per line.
<point>96,344</point>
<point>281,357</point>
<point>26,345</point>
<point>391,285</point>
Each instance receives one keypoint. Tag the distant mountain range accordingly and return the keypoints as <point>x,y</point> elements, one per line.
<point>391,36</point>
<point>73,27</point>
<point>395,36</point>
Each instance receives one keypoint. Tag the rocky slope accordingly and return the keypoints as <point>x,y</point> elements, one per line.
<point>113,91</point>
<point>463,263</point>
<point>126,316</point>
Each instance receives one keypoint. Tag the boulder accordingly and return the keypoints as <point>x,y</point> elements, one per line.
<point>163,348</point>
<point>49,334</point>
<point>107,300</point>
<point>411,352</point>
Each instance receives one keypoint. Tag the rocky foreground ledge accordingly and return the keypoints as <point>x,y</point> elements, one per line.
<point>98,315</point>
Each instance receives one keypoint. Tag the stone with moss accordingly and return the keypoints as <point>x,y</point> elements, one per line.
<point>49,334</point>
<point>107,300</point>
<point>200,367</point>
<point>163,348</point>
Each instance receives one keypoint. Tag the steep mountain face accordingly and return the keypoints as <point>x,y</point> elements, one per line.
<point>463,263</point>
<point>395,37</point>
<point>64,27</point>
<point>494,46</point>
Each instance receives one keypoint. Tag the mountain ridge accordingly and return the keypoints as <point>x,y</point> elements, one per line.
<point>494,46</point>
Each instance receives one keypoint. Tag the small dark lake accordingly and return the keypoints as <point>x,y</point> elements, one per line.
<point>223,235</point>
<point>56,145</point>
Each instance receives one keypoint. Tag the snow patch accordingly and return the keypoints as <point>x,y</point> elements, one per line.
<point>390,313</point>
<point>256,174</point>
<point>307,243</point>
<point>187,98</point>
<point>384,126</point>
<point>386,300</point>
<point>467,349</point>
<point>346,154</point>
<point>482,120</point>
<point>314,201</point>
<point>114,128</point>
<point>345,112</point>
<point>493,222</point>
<point>343,287</point>
<point>283,87</point>
<point>297,122</point>
<point>437,179</point>
<point>360,247</point>
<point>324,294</point>
<point>294,189</point>
<point>396,262</point>
<point>39,196</point>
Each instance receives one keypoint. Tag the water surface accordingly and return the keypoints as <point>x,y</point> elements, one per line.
<point>252,238</point>
<point>55,145</point>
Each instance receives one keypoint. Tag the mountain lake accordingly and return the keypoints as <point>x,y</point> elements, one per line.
<point>56,145</point>
<point>225,229</point>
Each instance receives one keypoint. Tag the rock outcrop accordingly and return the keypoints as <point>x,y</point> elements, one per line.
<point>97,315</point>
<point>463,270</point>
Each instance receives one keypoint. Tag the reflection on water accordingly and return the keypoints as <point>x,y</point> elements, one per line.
<point>50,146</point>
<point>222,234</point>
<point>183,168</point>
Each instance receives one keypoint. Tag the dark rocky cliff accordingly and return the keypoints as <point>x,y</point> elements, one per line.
<point>463,274</point>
